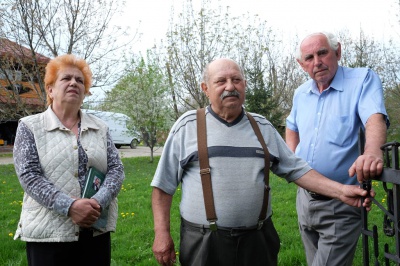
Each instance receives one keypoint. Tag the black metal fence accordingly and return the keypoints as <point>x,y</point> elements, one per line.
<point>390,179</point>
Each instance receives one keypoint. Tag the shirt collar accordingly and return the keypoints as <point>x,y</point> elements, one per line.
<point>52,122</point>
<point>234,122</point>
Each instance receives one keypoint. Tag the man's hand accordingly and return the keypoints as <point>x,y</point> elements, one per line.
<point>366,167</point>
<point>351,195</point>
<point>84,212</point>
<point>164,249</point>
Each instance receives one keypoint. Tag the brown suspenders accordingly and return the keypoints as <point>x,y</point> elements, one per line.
<point>205,171</point>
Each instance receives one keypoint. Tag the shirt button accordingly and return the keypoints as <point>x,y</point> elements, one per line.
<point>75,147</point>
<point>76,174</point>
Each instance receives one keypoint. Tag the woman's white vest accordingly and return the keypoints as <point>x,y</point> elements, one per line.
<point>58,156</point>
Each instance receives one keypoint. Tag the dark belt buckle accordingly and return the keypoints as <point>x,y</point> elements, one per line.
<point>260,224</point>
<point>213,226</point>
<point>318,196</point>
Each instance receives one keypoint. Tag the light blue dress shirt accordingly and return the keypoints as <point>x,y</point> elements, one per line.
<point>328,123</point>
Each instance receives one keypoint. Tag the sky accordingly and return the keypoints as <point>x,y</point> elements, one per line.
<point>377,18</point>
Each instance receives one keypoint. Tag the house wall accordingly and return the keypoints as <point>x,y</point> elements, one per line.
<point>17,64</point>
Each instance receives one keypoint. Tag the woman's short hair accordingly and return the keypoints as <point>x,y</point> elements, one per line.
<point>67,60</point>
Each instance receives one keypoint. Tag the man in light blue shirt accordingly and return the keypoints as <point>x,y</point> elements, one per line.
<point>322,128</point>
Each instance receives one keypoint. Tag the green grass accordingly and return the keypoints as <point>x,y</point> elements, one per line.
<point>6,155</point>
<point>132,242</point>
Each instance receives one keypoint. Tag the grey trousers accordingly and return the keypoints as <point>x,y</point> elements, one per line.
<point>201,247</point>
<point>329,229</point>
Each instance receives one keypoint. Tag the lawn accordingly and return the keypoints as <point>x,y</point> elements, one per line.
<point>131,243</point>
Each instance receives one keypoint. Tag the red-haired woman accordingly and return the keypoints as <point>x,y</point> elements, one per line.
<point>53,151</point>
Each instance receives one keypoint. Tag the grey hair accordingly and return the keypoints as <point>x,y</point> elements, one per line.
<point>205,75</point>
<point>330,37</point>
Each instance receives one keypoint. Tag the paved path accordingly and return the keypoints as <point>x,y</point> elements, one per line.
<point>124,151</point>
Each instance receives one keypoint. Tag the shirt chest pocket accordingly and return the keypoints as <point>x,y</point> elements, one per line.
<point>339,130</point>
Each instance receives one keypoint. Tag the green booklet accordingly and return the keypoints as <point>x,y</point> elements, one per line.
<point>94,179</point>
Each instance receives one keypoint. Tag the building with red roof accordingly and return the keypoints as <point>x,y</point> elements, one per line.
<point>21,85</point>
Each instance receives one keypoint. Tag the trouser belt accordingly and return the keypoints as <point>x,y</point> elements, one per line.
<point>317,196</point>
<point>231,229</point>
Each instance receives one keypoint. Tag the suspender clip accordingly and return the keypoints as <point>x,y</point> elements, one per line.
<point>205,171</point>
<point>213,225</point>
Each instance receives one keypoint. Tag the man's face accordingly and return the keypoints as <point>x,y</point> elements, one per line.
<point>319,60</point>
<point>225,86</point>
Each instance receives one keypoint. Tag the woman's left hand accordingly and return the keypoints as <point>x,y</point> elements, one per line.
<point>84,212</point>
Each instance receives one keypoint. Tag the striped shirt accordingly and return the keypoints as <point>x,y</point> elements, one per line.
<point>237,162</point>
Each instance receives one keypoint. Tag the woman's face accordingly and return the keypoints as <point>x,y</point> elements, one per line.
<point>69,87</point>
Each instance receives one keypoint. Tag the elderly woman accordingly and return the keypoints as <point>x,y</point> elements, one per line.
<point>53,152</point>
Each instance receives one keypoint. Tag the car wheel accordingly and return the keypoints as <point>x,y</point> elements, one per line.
<point>117,146</point>
<point>134,143</point>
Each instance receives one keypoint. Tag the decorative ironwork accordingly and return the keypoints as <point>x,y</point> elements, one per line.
<point>391,221</point>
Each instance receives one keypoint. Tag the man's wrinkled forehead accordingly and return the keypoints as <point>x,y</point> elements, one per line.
<point>222,69</point>
<point>314,43</point>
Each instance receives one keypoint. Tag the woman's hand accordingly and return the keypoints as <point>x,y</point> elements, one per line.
<point>84,212</point>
